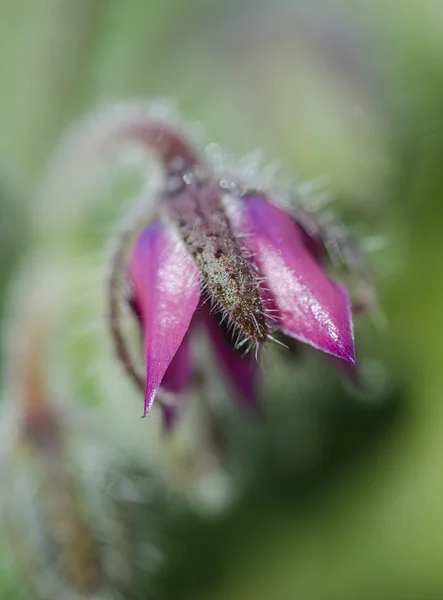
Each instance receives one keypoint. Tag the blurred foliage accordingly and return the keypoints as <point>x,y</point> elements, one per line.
<point>340,492</point>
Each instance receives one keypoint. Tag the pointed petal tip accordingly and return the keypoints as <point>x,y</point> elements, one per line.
<point>167,294</point>
<point>339,351</point>
<point>147,406</point>
<point>346,353</point>
<point>170,410</point>
<point>307,304</point>
<point>350,359</point>
<point>344,350</point>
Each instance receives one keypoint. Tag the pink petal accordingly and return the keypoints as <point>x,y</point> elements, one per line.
<point>241,371</point>
<point>167,290</point>
<point>308,305</point>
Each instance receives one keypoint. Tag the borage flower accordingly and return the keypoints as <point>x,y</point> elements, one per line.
<point>233,261</point>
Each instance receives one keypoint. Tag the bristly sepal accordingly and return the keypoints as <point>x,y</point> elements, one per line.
<point>228,276</point>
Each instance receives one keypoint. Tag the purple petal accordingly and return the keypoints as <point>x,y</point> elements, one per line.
<point>167,290</point>
<point>177,377</point>
<point>179,373</point>
<point>241,371</point>
<point>308,305</point>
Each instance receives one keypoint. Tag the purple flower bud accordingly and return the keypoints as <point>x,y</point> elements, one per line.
<point>235,263</point>
<point>215,252</point>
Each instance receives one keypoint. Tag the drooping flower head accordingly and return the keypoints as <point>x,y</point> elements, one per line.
<point>223,255</point>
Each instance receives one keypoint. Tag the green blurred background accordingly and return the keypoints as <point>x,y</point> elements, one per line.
<point>343,497</point>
